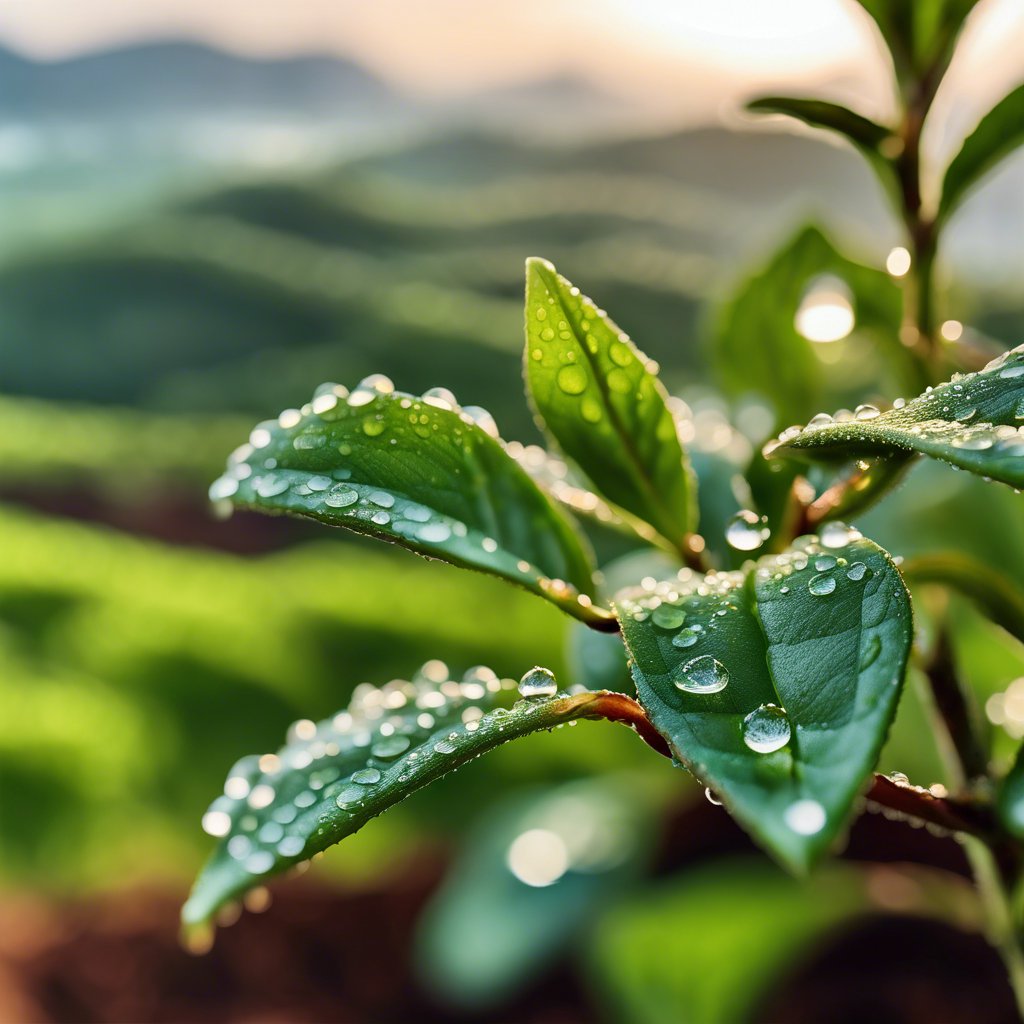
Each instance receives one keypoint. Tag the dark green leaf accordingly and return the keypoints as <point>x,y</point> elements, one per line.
<point>813,643</point>
<point>332,777</point>
<point>919,33</point>
<point>421,472</point>
<point>997,135</point>
<point>972,422</point>
<point>758,349</point>
<point>601,402</point>
<point>876,142</point>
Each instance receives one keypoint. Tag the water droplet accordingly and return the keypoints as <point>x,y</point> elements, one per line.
<point>590,410</point>
<point>976,443</point>
<point>668,616</point>
<point>687,637</point>
<point>291,846</point>
<point>366,776</point>
<point>824,562</point>
<point>805,817</point>
<point>856,571</point>
<point>866,412</point>
<point>444,747</point>
<point>538,682</point>
<point>434,533</point>
<point>746,531</point>
<point>838,535</point>
<point>766,729</point>
<point>711,798</point>
<point>821,585</point>
<point>222,488</point>
<point>349,795</point>
<point>703,675</point>
<point>822,419</point>
<point>1012,371</point>
<point>388,747</point>
<point>373,427</point>
<point>572,379</point>
<point>341,497</point>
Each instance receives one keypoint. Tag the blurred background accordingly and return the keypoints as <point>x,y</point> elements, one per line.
<point>206,210</point>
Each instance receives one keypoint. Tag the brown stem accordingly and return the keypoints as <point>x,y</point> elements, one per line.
<point>617,707</point>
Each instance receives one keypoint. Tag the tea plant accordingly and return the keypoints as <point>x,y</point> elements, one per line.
<point>773,682</point>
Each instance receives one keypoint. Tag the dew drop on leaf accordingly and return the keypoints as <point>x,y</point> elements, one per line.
<point>572,379</point>
<point>538,682</point>
<point>766,729</point>
<point>703,675</point>
<point>822,585</point>
<point>746,531</point>
<point>668,616</point>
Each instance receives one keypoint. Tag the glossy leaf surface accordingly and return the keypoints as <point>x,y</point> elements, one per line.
<point>776,685</point>
<point>421,472</point>
<point>602,403</point>
<point>972,422</point>
<point>332,777</point>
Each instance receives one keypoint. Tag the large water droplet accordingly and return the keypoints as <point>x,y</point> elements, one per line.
<point>857,571</point>
<point>668,616</point>
<point>838,535</point>
<point>703,675</point>
<point>366,776</point>
<point>687,637</point>
<point>822,585</point>
<point>746,531</point>
<point>866,412</point>
<point>572,379</point>
<point>766,729</point>
<point>388,747</point>
<point>538,682</point>
<point>341,497</point>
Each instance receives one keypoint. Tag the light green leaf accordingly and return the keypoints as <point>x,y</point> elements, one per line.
<point>997,135</point>
<point>874,141</point>
<point>972,422</point>
<point>602,403</point>
<point>757,346</point>
<point>421,472</point>
<point>776,685</point>
<point>332,777</point>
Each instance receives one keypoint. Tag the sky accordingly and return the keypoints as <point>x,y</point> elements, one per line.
<point>690,59</point>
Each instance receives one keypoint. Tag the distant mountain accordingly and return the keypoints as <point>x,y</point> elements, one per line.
<point>186,78</point>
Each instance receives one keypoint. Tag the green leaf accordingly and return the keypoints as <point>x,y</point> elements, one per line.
<point>1010,797</point>
<point>757,347</point>
<point>991,591</point>
<point>919,33</point>
<point>874,141</point>
<point>421,472</point>
<point>544,864</point>
<point>813,644</point>
<point>332,777</point>
<point>997,135</point>
<point>600,400</point>
<point>971,422</point>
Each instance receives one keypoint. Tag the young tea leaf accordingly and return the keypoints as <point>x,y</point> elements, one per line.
<point>997,135</point>
<point>874,141</point>
<point>600,400</point>
<point>332,777</point>
<point>422,472</point>
<point>776,685</point>
<point>972,422</point>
